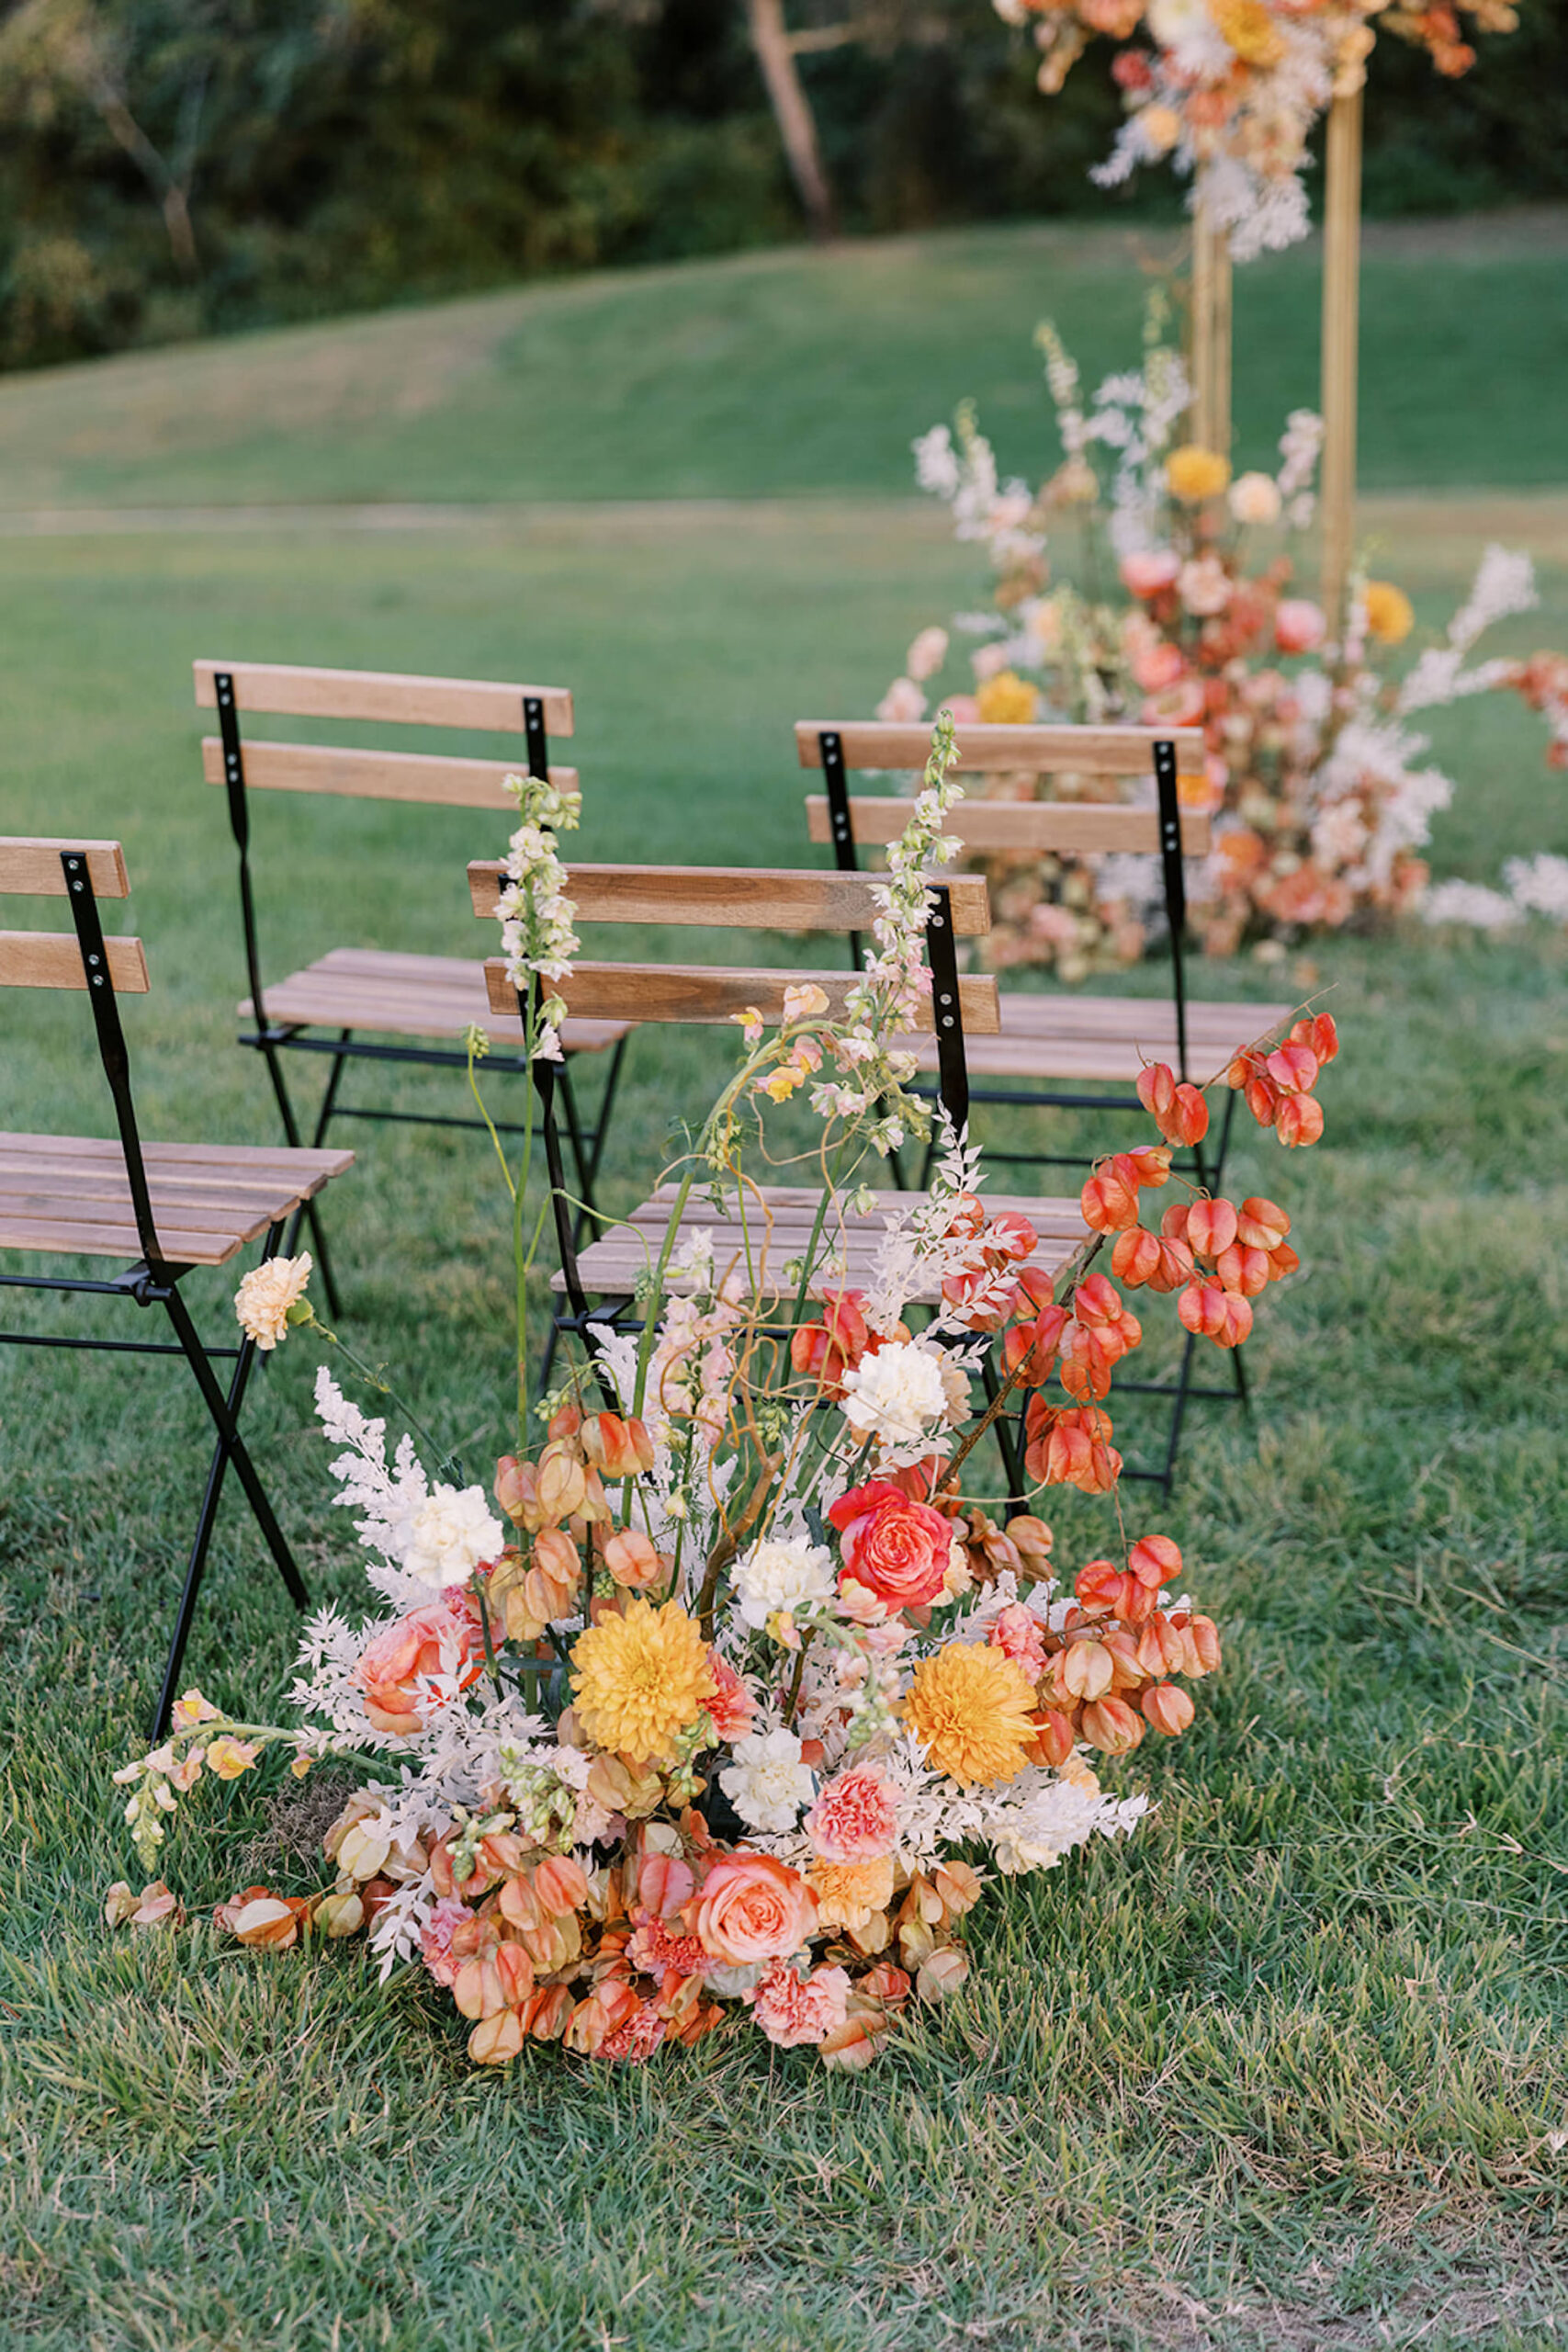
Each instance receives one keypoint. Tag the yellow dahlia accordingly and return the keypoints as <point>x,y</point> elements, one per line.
<point>1196,473</point>
<point>850,1894</point>
<point>969,1705</point>
<point>1007,700</point>
<point>640,1679</point>
<point>1390,614</point>
<point>1248,28</point>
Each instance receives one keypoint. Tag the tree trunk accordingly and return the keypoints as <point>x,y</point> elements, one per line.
<point>792,111</point>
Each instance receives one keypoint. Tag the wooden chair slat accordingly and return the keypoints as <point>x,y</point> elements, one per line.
<point>611,1267</point>
<point>381,693</point>
<point>80,1151</point>
<point>227,1197</point>
<point>398,1002</point>
<point>982,749</point>
<point>426,776</point>
<point>30,867</point>
<point>52,959</point>
<point>190,1216</point>
<point>64,1237</point>
<point>710,993</point>
<point>734,897</point>
<point>1061,828</point>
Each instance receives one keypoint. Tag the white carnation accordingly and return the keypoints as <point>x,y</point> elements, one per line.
<point>444,1538</point>
<point>776,1575</point>
<point>896,1394</point>
<point>768,1785</point>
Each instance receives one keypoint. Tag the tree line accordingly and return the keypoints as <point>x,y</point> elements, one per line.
<point>171,167</point>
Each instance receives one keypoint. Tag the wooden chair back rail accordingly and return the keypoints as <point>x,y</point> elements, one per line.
<point>1046,751</point>
<point>735,898</point>
<point>376,776</point>
<point>703,992</point>
<point>1065,828</point>
<point>30,867</point>
<point>47,959</point>
<point>381,693</point>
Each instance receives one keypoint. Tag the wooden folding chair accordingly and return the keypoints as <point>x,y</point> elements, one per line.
<point>165,1207</point>
<point>1050,1047</point>
<point>608,1271</point>
<point>388,993</point>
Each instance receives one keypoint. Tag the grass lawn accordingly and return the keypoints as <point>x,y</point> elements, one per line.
<point>795,371</point>
<point>1286,2071</point>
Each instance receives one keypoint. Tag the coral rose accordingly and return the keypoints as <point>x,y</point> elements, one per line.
<point>405,1665</point>
<point>897,1548</point>
<point>752,1909</point>
<point>1148,571</point>
<point>1299,625</point>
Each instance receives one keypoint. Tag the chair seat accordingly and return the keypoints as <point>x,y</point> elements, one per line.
<point>70,1196</point>
<point>1079,1037</point>
<point>611,1267</point>
<point>409,996</point>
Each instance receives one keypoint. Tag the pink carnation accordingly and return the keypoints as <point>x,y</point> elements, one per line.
<point>655,1951</point>
<point>637,2039</point>
<point>731,1707</point>
<point>793,2010</point>
<point>435,1942</point>
<point>1015,1633</point>
<point>855,1818</point>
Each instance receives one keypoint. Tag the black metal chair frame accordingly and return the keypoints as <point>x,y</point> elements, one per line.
<point>1207,1169</point>
<point>272,1039</point>
<point>952,1092</point>
<point>153,1282</point>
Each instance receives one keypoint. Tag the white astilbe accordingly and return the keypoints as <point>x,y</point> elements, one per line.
<point>1538,885</point>
<point>1034,1820</point>
<point>1300,445</point>
<point>1532,885</point>
<point>387,1500</point>
<point>536,916</point>
<point>1471,904</point>
<point>1504,585</point>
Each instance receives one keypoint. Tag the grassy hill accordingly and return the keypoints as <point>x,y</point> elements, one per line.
<point>795,371</point>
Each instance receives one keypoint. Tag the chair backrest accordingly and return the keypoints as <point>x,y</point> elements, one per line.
<point>1062,828</point>
<point>740,897</point>
<point>82,872</point>
<point>232,687</point>
<point>34,868</point>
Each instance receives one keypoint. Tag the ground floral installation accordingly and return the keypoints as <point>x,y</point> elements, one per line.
<point>734,1695</point>
<point>1139,581</point>
<point>1228,91</point>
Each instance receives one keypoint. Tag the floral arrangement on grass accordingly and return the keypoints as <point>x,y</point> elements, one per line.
<point>1229,91</point>
<point>1174,603</point>
<point>735,1688</point>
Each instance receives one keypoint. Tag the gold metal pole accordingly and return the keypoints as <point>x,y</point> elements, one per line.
<point>1341,304</point>
<point>1211,328</point>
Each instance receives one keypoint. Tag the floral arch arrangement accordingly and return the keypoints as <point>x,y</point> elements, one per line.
<point>1228,91</point>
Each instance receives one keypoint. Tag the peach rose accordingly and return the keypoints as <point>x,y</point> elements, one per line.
<point>1299,625</point>
<point>752,1909</point>
<point>1146,571</point>
<point>400,1665</point>
<point>895,1546</point>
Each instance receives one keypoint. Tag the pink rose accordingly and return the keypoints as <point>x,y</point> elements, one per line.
<point>1299,625</point>
<point>1145,573</point>
<point>1158,667</point>
<point>895,1546</point>
<point>752,1909</point>
<point>1182,705</point>
<point>397,1668</point>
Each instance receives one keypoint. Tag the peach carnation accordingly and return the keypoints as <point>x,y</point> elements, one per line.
<point>855,1818</point>
<point>266,1294</point>
<point>850,1894</point>
<point>793,2010</point>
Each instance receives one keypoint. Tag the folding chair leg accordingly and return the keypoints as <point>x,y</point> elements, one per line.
<point>233,1447</point>
<point>310,1214</point>
<point>329,1099</point>
<point>602,1122</point>
<point>1179,1413</point>
<point>196,1568</point>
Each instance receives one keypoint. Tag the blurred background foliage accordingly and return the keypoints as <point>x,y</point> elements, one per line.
<point>176,167</point>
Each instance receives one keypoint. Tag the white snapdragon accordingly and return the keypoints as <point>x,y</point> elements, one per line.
<point>768,1785</point>
<point>536,916</point>
<point>781,1577</point>
<point>448,1536</point>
